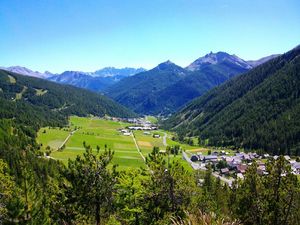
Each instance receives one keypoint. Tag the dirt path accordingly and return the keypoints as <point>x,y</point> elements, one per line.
<point>67,138</point>
<point>137,147</point>
<point>165,139</point>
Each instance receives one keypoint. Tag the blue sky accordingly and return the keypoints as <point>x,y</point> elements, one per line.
<point>58,35</point>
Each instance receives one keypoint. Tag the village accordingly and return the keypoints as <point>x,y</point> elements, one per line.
<point>233,166</point>
<point>137,124</point>
<point>227,165</point>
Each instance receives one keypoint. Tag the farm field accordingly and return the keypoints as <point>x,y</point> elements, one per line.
<point>95,132</point>
<point>104,133</point>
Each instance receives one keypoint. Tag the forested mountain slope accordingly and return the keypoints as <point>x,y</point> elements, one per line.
<point>37,102</point>
<point>135,92</point>
<point>257,110</point>
<point>168,87</point>
<point>194,85</point>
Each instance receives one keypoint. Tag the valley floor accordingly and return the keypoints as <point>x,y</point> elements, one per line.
<point>105,133</point>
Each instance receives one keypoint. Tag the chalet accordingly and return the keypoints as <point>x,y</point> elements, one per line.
<point>261,170</point>
<point>200,156</point>
<point>225,171</point>
<point>287,158</point>
<point>241,168</point>
<point>210,158</point>
<point>147,133</point>
<point>296,167</point>
<point>156,136</point>
<point>240,176</point>
<point>126,134</point>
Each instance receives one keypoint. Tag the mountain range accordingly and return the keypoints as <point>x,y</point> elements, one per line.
<point>257,110</point>
<point>167,87</point>
<point>95,81</point>
<point>160,91</point>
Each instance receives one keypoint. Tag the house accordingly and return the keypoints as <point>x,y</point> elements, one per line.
<point>261,170</point>
<point>210,158</point>
<point>156,136</point>
<point>126,134</point>
<point>200,156</point>
<point>147,133</point>
<point>225,171</point>
<point>296,167</point>
<point>246,157</point>
<point>287,158</point>
<point>241,168</point>
<point>240,176</point>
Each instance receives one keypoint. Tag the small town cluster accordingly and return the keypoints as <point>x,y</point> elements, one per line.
<point>235,165</point>
<point>138,124</point>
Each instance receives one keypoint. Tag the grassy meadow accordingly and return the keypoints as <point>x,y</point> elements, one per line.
<point>104,133</point>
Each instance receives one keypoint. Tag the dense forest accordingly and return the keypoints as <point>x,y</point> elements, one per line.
<point>257,110</point>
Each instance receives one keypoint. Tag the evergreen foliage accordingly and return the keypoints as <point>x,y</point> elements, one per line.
<point>257,110</point>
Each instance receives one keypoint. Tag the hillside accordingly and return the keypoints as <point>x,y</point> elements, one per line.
<point>38,102</point>
<point>255,63</point>
<point>166,88</point>
<point>136,92</point>
<point>257,110</point>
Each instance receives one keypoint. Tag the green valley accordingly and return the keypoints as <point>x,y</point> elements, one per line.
<point>104,134</point>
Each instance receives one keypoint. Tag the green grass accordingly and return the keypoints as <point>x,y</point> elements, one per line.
<point>12,80</point>
<point>104,133</point>
<point>19,95</point>
<point>94,132</point>
<point>53,137</point>
<point>40,92</point>
<point>152,119</point>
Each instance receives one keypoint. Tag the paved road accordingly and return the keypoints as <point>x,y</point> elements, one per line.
<point>196,166</point>
<point>228,181</point>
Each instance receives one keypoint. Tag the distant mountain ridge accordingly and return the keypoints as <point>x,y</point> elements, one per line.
<point>27,72</point>
<point>95,81</point>
<point>255,63</point>
<point>112,72</point>
<point>168,87</point>
<point>217,58</point>
<point>161,90</point>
